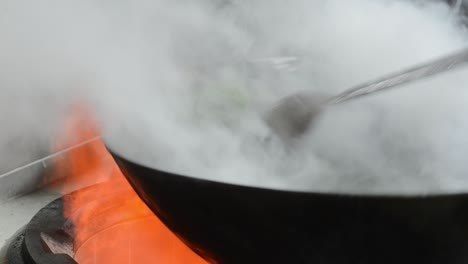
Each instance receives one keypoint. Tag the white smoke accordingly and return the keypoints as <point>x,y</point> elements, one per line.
<point>180,85</point>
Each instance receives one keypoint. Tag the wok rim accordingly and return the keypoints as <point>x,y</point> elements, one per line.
<point>337,194</point>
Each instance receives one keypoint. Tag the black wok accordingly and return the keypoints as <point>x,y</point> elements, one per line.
<point>226,223</point>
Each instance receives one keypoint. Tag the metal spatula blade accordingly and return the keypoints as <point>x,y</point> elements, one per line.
<point>296,113</point>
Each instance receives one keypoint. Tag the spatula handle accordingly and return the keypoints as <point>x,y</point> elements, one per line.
<point>403,77</point>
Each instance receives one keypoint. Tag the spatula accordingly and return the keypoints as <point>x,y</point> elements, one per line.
<point>293,115</point>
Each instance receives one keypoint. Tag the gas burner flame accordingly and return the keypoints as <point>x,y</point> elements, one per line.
<point>111,223</point>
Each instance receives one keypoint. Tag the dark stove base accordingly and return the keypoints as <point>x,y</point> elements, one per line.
<point>45,240</point>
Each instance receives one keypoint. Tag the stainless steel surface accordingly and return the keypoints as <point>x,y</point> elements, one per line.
<point>26,178</point>
<point>293,115</point>
<point>17,212</point>
<point>20,198</point>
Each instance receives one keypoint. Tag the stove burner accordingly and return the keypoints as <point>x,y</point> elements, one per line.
<point>47,239</point>
<point>118,228</point>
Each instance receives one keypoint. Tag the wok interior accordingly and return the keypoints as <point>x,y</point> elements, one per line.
<point>405,142</point>
<point>124,162</point>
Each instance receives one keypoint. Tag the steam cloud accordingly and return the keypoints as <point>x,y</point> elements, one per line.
<point>180,85</point>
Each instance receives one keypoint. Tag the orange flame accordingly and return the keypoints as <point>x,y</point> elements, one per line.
<point>111,223</point>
